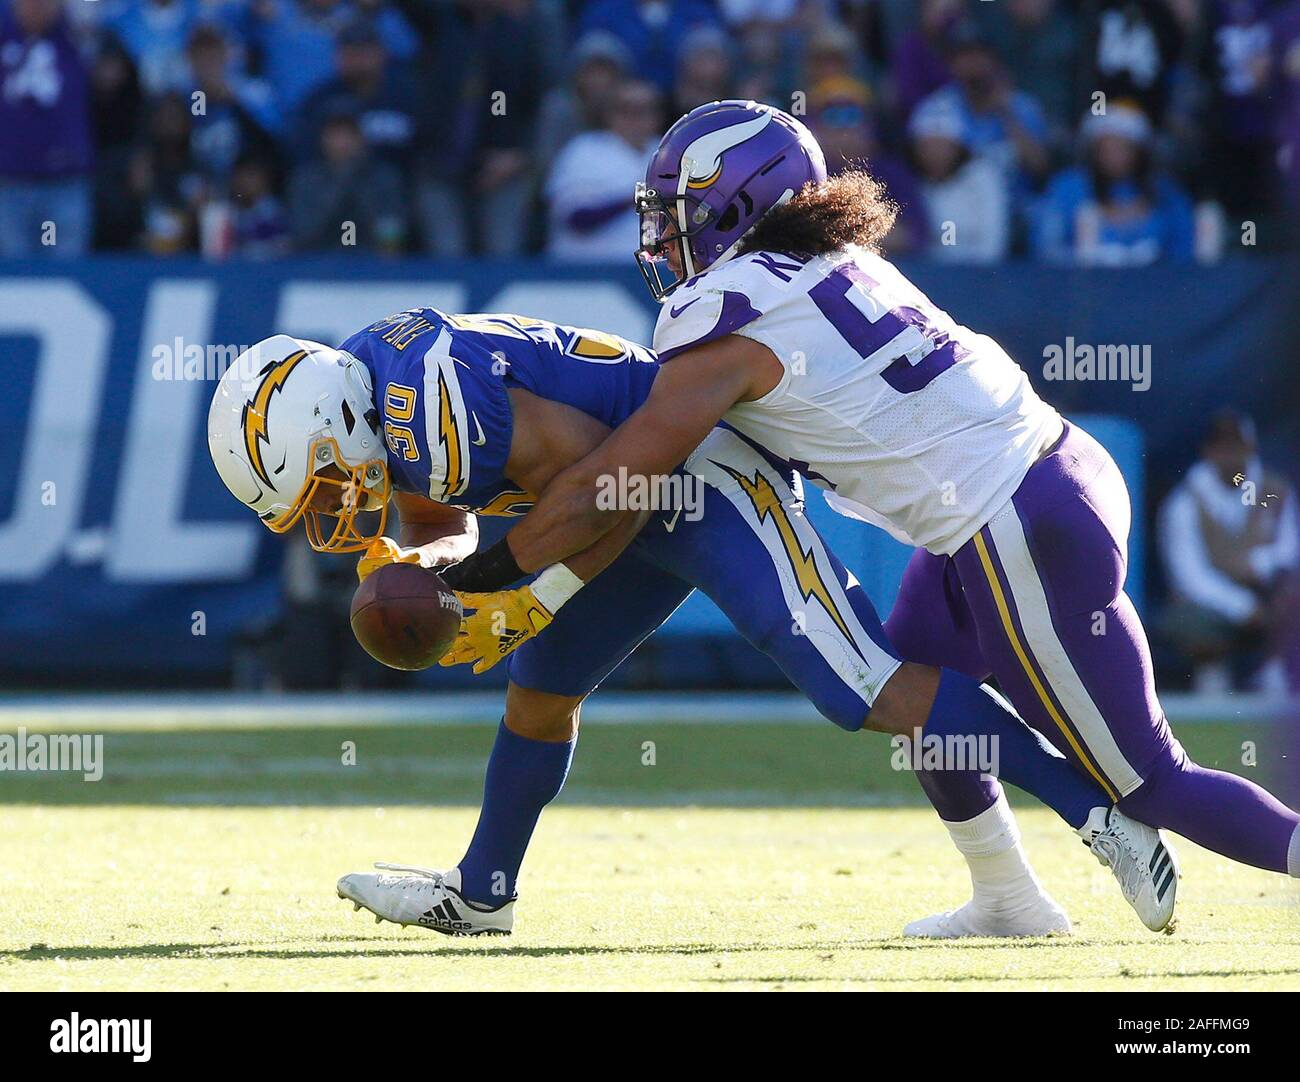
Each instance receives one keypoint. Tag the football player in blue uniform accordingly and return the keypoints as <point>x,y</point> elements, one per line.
<point>451,416</point>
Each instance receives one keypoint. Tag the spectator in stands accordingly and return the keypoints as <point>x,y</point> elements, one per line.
<point>999,123</point>
<point>377,90</point>
<point>763,30</point>
<point>225,123</point>
<point>1038,41</point>
<point>155,33</point>
<point>830,53</point>
<point>297,40</point>
<point>1116,209</point>
<point>116,100</point>
<point>510,39</point>
<point>166,180</point>
<point>116,105</point>
<point>588,193</point>
<point>260,223</point>
<point>1131,50</point>
<point>840,115</point>
<point>45,135</point>
<point>346,200</point>
<point>1229,537</point>
<point>652,31</point>
<point>1242,152</point>
<point>1286,65</point>
<point>704,70</point>
<point>966,198</point>
<point>598,64</point>
<point>919,61</point>
<point>450,95</point>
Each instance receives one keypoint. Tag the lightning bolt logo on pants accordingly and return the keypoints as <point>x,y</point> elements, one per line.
<point>767,502</point>
<point>256,408</point>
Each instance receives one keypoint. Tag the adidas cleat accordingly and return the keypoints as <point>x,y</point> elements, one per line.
<point>1144,865</point>
<point>425,898</point>
<point>1041,917</point>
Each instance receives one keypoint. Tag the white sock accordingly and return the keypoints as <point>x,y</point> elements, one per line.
<point>1293,854</point>
<point>999,870</point>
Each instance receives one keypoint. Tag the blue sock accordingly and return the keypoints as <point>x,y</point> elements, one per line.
<point>523,776</point>
<point>1024,757</point>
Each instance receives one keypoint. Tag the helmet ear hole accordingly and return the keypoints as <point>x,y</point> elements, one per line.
<point>729,220</point>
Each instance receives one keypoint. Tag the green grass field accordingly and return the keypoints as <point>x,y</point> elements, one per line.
<point>760,856</point>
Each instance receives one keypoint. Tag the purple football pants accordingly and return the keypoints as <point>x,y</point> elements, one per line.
<point>1036,599</point>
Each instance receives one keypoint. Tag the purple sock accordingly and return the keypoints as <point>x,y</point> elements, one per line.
<point>964,710</point>
<point>957,795</point>
<point>1221,811</point>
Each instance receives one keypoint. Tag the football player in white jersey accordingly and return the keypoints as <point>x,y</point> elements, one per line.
<point>785,323</point>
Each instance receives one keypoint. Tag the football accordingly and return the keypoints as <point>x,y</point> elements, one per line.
<point>405,616</point>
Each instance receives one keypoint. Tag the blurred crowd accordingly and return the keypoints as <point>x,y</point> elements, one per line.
<point>1112,132</point>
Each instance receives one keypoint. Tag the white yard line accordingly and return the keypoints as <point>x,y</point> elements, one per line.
<point>223,710</point>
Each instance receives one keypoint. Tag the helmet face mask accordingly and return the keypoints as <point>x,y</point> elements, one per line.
<point>662,235</point>
<point>364,487</point>
<point>293,433</point>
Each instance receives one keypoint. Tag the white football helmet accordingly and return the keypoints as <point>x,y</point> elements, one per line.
<point>290,421</point>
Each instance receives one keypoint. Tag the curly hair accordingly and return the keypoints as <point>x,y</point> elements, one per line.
<point>850,208</point>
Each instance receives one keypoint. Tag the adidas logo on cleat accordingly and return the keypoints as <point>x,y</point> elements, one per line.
<point>444,918</point>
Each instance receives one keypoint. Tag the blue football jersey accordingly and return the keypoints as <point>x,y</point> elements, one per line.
<point>440,384</point>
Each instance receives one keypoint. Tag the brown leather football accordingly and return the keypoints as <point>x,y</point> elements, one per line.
<point>405,616</point>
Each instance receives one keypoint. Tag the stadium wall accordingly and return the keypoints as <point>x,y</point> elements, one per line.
<point>115,534</point>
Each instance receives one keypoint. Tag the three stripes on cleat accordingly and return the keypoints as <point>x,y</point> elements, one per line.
<point>1162,864</point>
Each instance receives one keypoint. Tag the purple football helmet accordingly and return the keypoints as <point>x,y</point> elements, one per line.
<point>716,172</point>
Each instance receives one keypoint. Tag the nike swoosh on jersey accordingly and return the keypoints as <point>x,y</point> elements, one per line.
<point>674,311</point>
<point>482,439</point>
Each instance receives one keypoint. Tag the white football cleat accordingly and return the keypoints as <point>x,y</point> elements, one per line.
<point>1042,917</point>
<point>425,898</point>
<point>1144,865</point>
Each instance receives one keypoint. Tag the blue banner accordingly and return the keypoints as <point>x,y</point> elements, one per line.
<point>121,552</point>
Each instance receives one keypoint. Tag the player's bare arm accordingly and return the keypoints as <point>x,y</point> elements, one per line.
<point>444,535</point>
<point>548,438</point>
<point>689,397</point>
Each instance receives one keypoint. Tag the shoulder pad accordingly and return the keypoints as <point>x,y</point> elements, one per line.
<point>721,301</point>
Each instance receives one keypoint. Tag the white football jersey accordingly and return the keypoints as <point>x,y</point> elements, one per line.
<point>911,421</point>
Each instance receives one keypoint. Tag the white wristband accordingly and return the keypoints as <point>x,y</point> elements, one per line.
<point>554,586</point>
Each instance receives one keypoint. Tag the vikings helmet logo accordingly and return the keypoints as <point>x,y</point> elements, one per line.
<point>702,160</point>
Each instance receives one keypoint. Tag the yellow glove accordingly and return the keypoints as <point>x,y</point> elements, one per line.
<point>499,623</point>
<point>384,550</point>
